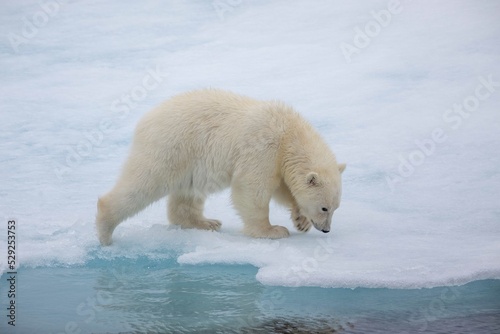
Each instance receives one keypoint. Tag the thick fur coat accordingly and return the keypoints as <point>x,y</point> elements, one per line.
<point>202,142</point>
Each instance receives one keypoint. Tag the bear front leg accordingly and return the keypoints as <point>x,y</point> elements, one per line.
<point>284,196</point>
<point>253,207</point>
<point>300,222</point>
<point>187,211</point>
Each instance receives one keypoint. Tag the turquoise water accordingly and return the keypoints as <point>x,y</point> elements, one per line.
<point>146,296</point>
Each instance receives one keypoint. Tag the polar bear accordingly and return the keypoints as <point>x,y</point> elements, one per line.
<point>204,141</point>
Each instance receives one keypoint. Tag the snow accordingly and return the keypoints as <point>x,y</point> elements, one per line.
<point>413,111</point>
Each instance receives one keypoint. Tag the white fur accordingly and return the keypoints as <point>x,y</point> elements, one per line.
<point>202,142</point>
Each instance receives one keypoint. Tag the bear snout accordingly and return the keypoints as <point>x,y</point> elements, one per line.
<point>325,227</point>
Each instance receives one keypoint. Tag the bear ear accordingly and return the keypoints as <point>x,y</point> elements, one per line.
<point>341,167</point>
<point>312,179</point>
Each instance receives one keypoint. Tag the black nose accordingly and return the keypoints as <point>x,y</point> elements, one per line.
<point>325,231</point>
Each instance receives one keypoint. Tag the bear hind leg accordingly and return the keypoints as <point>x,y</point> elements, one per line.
<point>129,196</point>
<point>187,211</point>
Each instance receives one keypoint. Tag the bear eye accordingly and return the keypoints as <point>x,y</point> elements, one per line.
<point>324,209</point>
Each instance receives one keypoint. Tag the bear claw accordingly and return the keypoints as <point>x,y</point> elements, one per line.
<point>302,224</point>
<point>207,224</point>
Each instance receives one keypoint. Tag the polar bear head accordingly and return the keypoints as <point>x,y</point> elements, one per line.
<point>319,196</point>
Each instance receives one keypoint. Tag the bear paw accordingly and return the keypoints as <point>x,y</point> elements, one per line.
<point>104,232</point>
<point>270,232</point>
<point>105,240</point>
<point>277,232</point>
<point>205,224</point>
<point>301,223</point>
<point>273,232</point>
